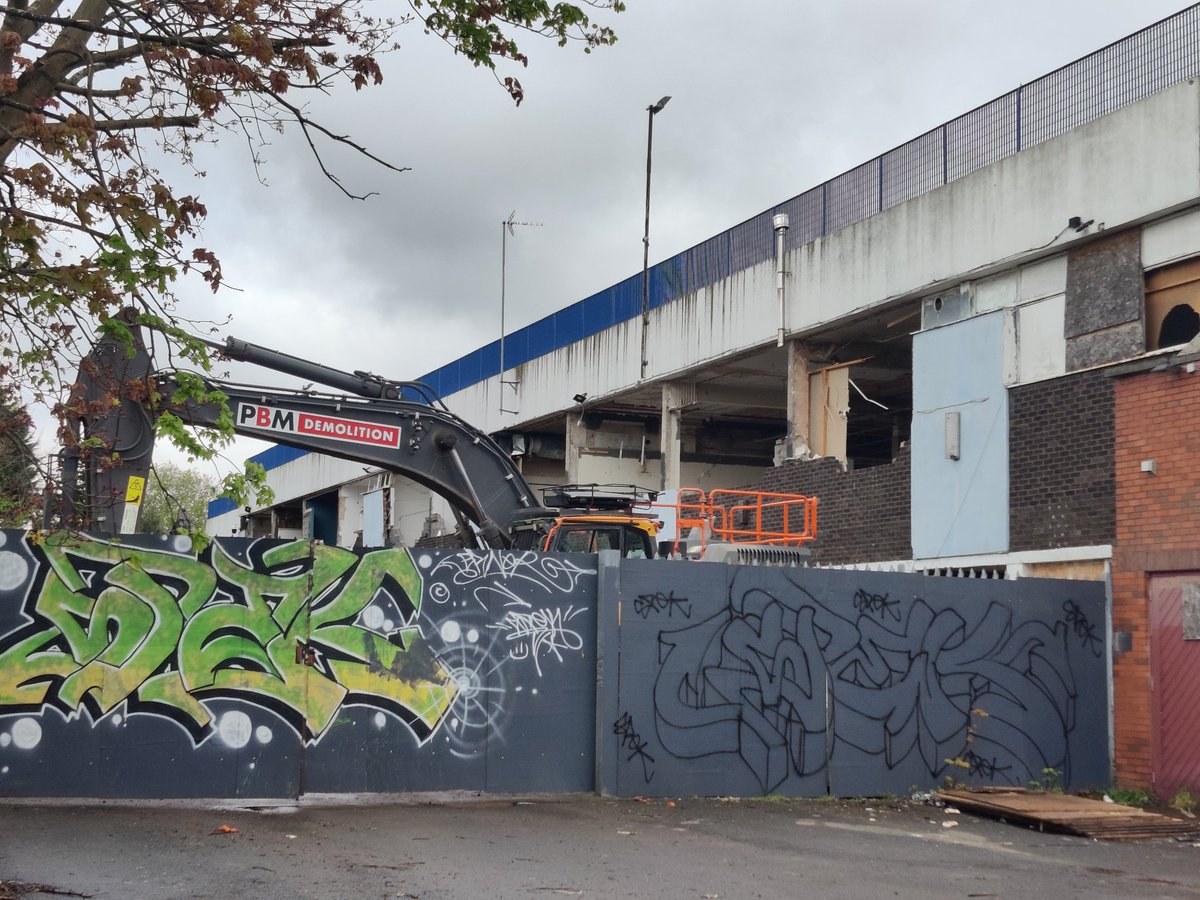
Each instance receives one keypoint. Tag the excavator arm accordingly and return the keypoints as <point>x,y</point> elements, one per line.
<point>374,424</point>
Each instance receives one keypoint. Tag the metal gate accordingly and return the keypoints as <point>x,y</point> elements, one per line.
<point>1175,679</point>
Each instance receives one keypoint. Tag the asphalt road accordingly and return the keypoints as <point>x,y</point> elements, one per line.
<point>580,846</point>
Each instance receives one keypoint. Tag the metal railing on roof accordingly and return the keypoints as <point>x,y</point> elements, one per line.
<point>1124,72</point>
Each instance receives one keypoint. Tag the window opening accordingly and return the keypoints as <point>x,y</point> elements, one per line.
<point>1173,304</point>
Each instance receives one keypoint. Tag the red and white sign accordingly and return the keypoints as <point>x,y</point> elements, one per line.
<point>334,428</point>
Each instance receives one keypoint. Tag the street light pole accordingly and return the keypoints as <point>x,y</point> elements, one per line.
<point>651,110</point>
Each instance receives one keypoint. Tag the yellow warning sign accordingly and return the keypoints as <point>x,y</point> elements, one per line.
<point>134,490</point>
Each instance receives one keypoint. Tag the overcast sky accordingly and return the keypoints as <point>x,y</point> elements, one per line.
<point>770,97</point>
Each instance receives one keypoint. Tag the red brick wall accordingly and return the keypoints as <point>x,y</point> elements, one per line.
<point>1158,530</point>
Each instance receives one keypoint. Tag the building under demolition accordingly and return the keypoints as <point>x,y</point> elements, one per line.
<point>978,350</point>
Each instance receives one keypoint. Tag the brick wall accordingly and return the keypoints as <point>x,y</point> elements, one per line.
<point>862,516</point>
<point>1158,531</point>
<point>1061,491</point>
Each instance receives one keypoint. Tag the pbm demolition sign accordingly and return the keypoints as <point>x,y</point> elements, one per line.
<point>290,421</point>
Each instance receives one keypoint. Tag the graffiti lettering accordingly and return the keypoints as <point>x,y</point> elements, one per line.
<point>901,681</point>
<point>548,573</point>
<point>163,633</point>
<point>539,633</point>
<point>645,604</point>
<point>876,604</point>
<point>985,768</point>
<point>1077,621</point>
<point>630,740</point>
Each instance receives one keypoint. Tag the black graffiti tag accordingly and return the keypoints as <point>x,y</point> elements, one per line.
<point>876,604</point>
<point>984,767</point>
<point>645,604</point>
<point>1085,630</point>
<point>632,741</point>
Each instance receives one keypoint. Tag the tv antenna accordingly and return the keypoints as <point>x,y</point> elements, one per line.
<point>507,228</point>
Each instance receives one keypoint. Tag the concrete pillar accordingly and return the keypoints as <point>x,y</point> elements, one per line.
<point>675,396</point>
<point>576,441</point>
<point>799,406</point>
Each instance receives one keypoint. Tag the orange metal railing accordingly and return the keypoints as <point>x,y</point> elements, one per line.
<point>757,517</point>
<point>786,520</point>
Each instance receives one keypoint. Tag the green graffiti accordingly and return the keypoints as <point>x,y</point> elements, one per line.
<point>165,632</point>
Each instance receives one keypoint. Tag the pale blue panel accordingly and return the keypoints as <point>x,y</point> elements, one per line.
<point>960,506</point>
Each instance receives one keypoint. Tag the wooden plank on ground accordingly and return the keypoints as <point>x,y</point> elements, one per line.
<point>1070,815</point>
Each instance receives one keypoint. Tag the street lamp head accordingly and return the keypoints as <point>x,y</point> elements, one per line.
<point>657,107</point>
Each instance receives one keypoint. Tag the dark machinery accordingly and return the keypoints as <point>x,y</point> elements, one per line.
<point>398,426</point>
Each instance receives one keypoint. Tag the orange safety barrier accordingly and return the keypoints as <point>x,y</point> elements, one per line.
<point>691,513</point>
<point>758,517</point>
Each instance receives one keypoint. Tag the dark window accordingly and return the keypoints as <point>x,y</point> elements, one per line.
<point>1173,304</point>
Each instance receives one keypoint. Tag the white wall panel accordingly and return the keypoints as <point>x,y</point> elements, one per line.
<point>1043,279</point>
<point>1171,240</point>
<point>1041,347</point>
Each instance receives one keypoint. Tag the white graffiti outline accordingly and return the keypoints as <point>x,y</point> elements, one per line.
<point>549,573</point>
<point>539,633</point>
<point>478,713</point>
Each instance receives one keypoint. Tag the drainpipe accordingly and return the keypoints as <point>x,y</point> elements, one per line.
<point>781,223</point>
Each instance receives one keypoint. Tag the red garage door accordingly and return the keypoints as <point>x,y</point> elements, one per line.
<point>1175,671</point>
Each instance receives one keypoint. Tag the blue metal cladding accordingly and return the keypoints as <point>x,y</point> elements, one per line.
<point>568,325</point>
<point>1125,72</point>
<point>599,312</point>
<point>516,349</point>
<point>489,357</point>
<point>627,299</point>
<point>541,337</point>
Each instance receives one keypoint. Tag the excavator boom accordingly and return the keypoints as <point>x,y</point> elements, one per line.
<point>119,397</point>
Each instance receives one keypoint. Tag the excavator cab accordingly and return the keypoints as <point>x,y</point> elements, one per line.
<point>592,517</point>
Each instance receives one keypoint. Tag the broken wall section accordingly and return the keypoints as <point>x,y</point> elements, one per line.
<point>862,515</point>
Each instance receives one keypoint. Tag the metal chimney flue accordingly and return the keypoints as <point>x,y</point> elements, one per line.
<point>780,222</point>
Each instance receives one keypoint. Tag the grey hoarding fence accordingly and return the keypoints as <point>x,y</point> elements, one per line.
<point>272,668</point>
<point>752,680</point>
<point>266,668</point>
